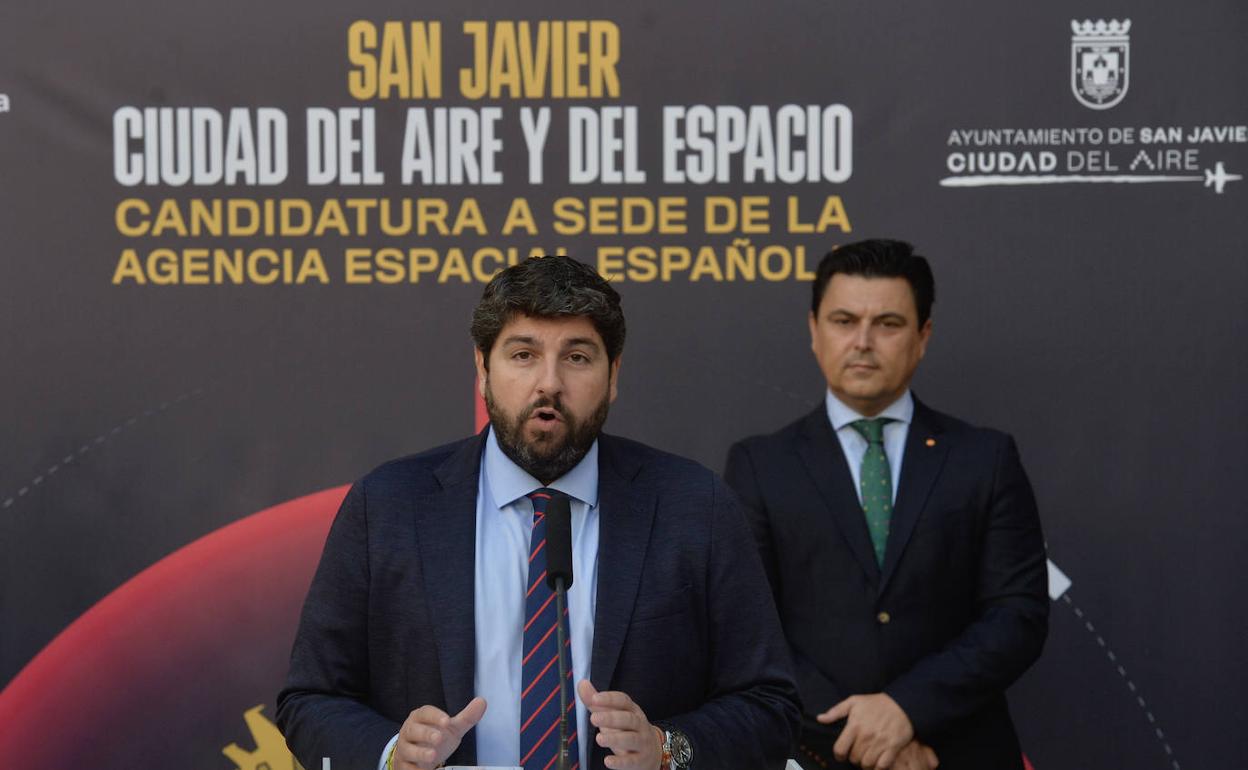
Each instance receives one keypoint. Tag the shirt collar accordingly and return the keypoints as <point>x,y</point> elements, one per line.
<point>509,482</point>
<point>840,415</point>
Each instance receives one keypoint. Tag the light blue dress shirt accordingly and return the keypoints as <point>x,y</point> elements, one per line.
<point>854,445</point>
<point>504,525</point>
<point>501,574</point>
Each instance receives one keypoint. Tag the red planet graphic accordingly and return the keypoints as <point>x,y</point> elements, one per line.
<point>161,671</point>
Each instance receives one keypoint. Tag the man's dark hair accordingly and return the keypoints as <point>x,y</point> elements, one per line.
<point>549,287</point>
<point>879,258</point>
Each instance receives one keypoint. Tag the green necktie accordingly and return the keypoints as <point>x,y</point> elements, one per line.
<point>875,480</point>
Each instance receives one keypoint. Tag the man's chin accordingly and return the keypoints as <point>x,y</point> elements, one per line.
<point>545,442</point>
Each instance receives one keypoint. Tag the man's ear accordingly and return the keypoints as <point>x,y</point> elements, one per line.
<point>613,389</point>
<point>925,336</point>
<point>482,372</point>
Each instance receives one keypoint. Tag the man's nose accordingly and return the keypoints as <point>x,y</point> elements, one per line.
<point>863,337</point>
<point>550,379</point>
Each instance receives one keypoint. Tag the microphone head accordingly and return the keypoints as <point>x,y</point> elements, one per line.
<point>559,541</point>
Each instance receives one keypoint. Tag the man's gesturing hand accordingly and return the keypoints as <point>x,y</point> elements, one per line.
<point>876,729</point>
<point>429,735</point>
<point>635,744</point>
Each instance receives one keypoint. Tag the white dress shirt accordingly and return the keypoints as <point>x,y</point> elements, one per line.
<point>901,412</point>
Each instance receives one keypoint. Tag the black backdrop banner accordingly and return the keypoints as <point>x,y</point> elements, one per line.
<point>241,244</point>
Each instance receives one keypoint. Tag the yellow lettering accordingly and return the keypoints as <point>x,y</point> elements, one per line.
<point>312,266</point>
<point>833,214</point>
<point>128,268</point>
<point>332,217</point>
<point>772,273</point>
<point>801,273</point>
<point>568,217</point>
<point>236,210</point>
<point>362,82</point>
<point>195,267</point>
<point>469,217</point>
<point>721,215</point>
<point>478,259</point>
<point>454,266</point>
<point>391,267</point>
<point>519,215</point>
<point>795,225</point>
<point>707,264</point>
<point>387,224</point>
<point>604,55</point>
<point>610,262</point>
<point>162,267</point>
<point>206,217</point>
<point>422,261</point>
<point>533,62</point>
<point>395,74</point>
<point>671,261</point>
<point>673,215</point>
<point>642,267</point>
<point>361,207</point>
<point>123,223</point>
<point>168,217</point>
<point>290,208</point>
<point>754,214</point>
<point>470,87</point>
<point>504,65</point>
<point>577,59</point>
<point>356,266</point>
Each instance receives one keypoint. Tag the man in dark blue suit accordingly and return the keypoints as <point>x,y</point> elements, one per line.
<point>429,635</point>
<point>903,546</point>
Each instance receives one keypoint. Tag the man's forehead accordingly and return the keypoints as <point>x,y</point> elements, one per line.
<point>869,294</point>
<point>550,329</point>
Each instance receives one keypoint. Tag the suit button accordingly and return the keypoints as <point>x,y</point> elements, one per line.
<point>884,618</point>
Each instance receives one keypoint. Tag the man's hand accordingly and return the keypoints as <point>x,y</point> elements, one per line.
<point>429,735</point>
<point>876,729</point>
<point>635,744</point>
<point>916,756</point>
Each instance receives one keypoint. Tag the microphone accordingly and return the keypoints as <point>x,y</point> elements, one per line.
<point>558,542</point>
<point>559,577</point>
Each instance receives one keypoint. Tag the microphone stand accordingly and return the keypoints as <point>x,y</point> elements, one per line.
<point>563,762</point>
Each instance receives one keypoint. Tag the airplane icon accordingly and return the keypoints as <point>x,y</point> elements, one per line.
<point>1218,178</point>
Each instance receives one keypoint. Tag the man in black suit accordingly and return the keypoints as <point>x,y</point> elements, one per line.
<point>908,613</point>
<point>421,640</point>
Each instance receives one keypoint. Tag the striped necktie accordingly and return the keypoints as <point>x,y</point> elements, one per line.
<point>875,481</point>
<point>539,700</point>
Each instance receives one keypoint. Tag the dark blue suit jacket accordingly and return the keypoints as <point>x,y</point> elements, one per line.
<point>957,612</point>
<point>684,622</point>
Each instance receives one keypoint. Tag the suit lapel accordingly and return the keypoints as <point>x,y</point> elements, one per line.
<point>626,516</point>
<point>921,463</point>
<point>446,530</point>
<point>829,470</point>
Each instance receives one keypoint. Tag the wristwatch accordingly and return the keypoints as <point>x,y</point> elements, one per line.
<point>677,751</point>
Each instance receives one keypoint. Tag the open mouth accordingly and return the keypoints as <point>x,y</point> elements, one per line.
<point>546,414</point>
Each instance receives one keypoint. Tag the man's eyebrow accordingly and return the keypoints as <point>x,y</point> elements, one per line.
<point>876,317</point>
<point>585,341</point>
<point>520,339</point>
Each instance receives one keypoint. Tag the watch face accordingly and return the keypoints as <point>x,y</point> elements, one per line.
<point>682,752</point>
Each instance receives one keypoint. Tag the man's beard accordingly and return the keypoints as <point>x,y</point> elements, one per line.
<point>547,458</point>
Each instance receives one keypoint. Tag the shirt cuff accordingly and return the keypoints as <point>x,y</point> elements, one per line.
<point>385,753</point>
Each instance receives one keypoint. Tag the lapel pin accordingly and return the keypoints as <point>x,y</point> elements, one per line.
<point>930,442</point>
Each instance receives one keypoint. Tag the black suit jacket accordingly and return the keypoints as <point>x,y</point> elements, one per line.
<point>957,612</point>
<point>684,622</point>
